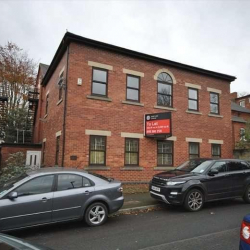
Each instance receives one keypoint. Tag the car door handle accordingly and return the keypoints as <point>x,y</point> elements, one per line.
<point>44,199</point>
<point>87,192</point>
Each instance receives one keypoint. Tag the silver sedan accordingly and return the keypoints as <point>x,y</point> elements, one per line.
<point>51,195</point>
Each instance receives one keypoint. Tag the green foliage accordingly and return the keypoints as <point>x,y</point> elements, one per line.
<point>16,122</point>
<point>15,166</point>
<point>244,143</point>
<point>247,131</point>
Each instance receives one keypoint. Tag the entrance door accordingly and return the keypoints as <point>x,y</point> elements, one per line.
<point>33,159</point>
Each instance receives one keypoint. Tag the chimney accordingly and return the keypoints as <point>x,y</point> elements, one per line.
<point>234,96</point>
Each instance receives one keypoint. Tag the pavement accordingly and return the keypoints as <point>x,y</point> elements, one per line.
<point>139,201</point>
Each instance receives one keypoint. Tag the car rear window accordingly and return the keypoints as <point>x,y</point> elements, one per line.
<point>101,177</point>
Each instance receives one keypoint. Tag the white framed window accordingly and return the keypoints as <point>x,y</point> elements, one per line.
<point>243,103</point>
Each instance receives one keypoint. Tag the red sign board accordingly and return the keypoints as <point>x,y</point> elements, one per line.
<point>158,125</point>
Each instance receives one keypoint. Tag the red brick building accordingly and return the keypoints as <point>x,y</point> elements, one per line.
<point>92,103</point>
<point>243,101</point>
<point>240,117</point>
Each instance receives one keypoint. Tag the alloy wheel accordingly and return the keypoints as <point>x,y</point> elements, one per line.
<point>195,200</point>
<point>97,214</point>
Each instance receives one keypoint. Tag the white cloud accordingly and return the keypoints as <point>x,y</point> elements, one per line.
<point>214,35</point>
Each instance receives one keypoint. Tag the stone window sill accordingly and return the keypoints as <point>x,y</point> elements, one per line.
<point>213,115</point>
<point>131,168</point>
<point>59,102</point>
<point>133,103</point>
<point>166,108</point>
<point>163,168</point>
<point>193,112</point>
<point>99,98</point>
<point>103,168</point>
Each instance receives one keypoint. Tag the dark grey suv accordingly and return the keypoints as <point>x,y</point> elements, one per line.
<point>208,181</point>
<point>51,195</point>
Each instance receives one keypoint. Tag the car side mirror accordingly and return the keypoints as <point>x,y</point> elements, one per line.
<point>213,172</point>
<point>12,195</point>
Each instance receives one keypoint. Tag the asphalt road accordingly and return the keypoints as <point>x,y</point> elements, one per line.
<point>216,227</point>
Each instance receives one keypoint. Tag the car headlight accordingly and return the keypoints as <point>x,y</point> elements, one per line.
<point>173,183</point>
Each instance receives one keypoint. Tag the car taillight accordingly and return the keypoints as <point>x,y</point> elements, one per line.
<point>245,232</point>
<point>120,189</point>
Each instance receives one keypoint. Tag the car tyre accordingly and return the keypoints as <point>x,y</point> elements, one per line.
<point>246,196</point>
<point>194,200</point>
<point>96,214</point>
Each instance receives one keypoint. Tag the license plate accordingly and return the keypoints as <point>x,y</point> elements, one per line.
<point>156,189</point>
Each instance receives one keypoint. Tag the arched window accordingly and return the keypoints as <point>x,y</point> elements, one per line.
<point>164,90</point>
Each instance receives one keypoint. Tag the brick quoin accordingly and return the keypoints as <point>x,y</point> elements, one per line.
<point>89,114</point>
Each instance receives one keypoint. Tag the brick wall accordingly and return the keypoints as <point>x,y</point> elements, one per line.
<point>7,149</point>
<point>52,122</point>
<point>38,124</point>
<point>84,113</point>
<point>247,101</point>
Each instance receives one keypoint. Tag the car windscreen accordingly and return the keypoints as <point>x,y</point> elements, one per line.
<point>9,184</point>
<point>188,166</point>
<point>202,167</point>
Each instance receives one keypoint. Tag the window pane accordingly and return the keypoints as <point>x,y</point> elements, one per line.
<point>164,100</point>
<point>214,98</point>
<point>97,157</point>
<point>194,148</point>
<point>133,82</point>
<point>193,156</point>
<point>99,88</point>
<point>98,143</point>
<point>214,108</point>
<point>164,159</point>
<point>164,89</point>
<point>70,181</point>
<point>164,77</point>
<point>220,166</point>
<point>131,145</point>
<point>133,94</point>
<point>39,185</point>
<point>235,166</point>
<point>164,147</point>
<point>192,105</point>
<point>86,182</point>
<point>131,159</point>
<point>99,75</point>
<point>216,150</point>
<point>245,165</point>
<point>193,94</point>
